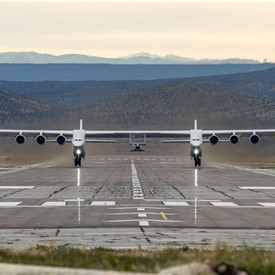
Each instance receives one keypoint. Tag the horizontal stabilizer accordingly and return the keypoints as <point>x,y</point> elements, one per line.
<point>138,143</point>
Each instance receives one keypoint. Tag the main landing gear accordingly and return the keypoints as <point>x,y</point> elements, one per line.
<point>77,162</point>
<point>197,161</point>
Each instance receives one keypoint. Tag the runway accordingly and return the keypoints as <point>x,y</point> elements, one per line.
<point>136,192</point>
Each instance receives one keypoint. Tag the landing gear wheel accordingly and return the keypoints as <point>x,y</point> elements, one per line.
<point>197,162</point>
<point>77,162</point>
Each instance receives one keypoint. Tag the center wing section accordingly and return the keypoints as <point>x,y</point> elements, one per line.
<point>179,136</point>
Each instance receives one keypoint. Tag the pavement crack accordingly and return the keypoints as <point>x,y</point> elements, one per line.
<point>57,191</point>
<point>97,191</point>
<point>10,194</point>
<point>57,232</point>
<point>179,191</point>
<point>144,234</point>
<point>218,191</point>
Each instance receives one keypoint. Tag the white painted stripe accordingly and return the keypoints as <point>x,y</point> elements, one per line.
<point>175,203</point>
<point>74,200</point>
<point>16,187</point>
<point>267,204</point>
<point>103,203</point>
<point>142,215</point>
<point>258,187</point>
<point>6,204</point>
<point>147,220</point>
<point>147,207</point>
<point>137,192</point>
<point>143,223</point>
<point>223,203</point>
<point>54,203</point>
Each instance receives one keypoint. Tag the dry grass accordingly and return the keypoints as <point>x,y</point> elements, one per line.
<point>252,260</point>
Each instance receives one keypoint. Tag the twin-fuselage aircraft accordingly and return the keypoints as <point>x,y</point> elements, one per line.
<point>195,137</point>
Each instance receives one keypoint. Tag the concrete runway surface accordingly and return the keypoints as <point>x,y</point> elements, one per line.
<point>136,201</point>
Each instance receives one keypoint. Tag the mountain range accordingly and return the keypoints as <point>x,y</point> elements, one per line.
<point>139,58</point>
<point>233,100</point>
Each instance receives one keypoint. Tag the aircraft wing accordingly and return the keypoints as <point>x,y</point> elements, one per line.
<point>94,136</point>
<point>34,133</point>
<point>246,133</point>
<point>47,135</point>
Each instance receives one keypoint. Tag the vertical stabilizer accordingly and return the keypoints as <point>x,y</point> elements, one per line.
<point>81,125</point>
<point>195,125</point>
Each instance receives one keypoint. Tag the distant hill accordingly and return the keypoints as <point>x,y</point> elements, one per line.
<point>259,84</point>
<point>235,100</point>
<point>139,58</point>
<point>14,107</point>
<point>107,72</point>
<point>174,105</point>
<point>80,94</point>
<point>75,94</point>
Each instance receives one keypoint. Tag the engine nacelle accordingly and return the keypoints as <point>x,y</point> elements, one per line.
<point>40,139</point>
<point>234,139</point>
<point>214,139</point>
<point>254,139</point>
<point>61,140</point>
<point>20,139</point>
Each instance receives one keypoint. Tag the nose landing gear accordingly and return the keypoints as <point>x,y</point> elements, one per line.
<point>197,161</point>
<point>77,161</point>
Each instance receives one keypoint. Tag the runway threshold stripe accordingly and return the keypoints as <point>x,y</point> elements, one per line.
<point>258,187</point>
<point>8,204</point>
<point>267,204</point>
<point>224,204</point>
<point>16,187</point>
<point>54,203</point>
<point>175,203</point>
<point>103,203</point>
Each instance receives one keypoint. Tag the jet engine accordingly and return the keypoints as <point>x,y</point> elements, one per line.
<point>234,139</point>
<point>61,140</point>
<point>214,139</point>
<point>254,139</point>
<point>40,139</point>
<point>20,139</point>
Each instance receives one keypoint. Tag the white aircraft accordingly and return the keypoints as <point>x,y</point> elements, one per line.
<point>195,137</point>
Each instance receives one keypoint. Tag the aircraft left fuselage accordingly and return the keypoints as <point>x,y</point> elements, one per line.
<point>195,145</point>
<point>78,143</point>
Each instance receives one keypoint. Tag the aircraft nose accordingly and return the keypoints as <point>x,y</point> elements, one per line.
<point>78,143</point>
<point>196,143</point>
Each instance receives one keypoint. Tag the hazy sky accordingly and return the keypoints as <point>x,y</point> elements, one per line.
<point>196,30</point>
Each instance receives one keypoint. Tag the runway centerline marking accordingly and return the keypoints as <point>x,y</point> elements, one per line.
<point>136,186</point>
<point>143,223</point>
